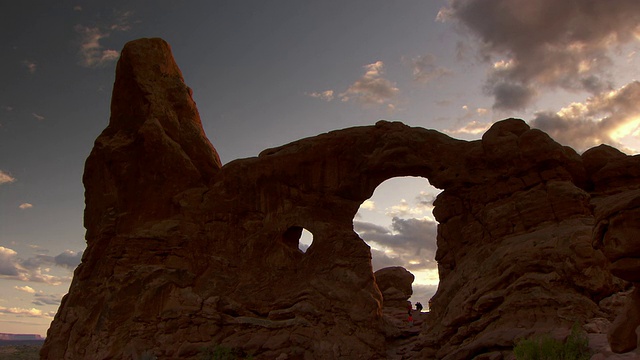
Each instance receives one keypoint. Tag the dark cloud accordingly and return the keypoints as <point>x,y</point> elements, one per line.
<point>604,118</point>
<point>33,269</point>
<point>46,299</point>
<point>546,43</point>
<point>510,95</point>
<point>68,259</point>
<point>425,69</point>
<point>410,243</point>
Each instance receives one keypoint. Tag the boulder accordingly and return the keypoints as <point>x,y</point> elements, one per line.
<point>395,285</point>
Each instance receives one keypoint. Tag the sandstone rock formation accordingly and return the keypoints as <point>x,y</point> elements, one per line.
<point>395,285</point>
<point>616,181</point>
<point>185,255</point>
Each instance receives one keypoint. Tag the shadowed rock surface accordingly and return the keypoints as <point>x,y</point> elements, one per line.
<point>184,254</point>
<point>395,285</point>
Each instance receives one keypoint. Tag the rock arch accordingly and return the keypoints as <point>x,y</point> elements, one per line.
<point>398,224</point>
<point>181,252</point>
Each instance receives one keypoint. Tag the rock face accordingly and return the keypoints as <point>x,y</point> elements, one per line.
<point>616,179</point>
<point>395,285</point>
<point>184,255</point>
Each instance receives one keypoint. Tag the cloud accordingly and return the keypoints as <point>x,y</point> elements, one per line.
<point>606,118</point>
<point>326,95</point>
<point>32,269</point>
<point>6,178</point>
<point>473,127</point>
<point>38,117</point>
<point>368,205</point>
<point>27,289</point>
<point>424,69</point>
<point>42,299</point>
<point>8,108</point>
<point>372,88</point>
<point>424,200</point>
<point>403,209</point>
<point>30,65</point>
<point>68,259</point>
<point>25,206</point>
<point>92,52</point>
<point>546,43</point>
<point>510,95</point>
<point>410,243</point>
<point>7,266</point>
<point>33,312</point>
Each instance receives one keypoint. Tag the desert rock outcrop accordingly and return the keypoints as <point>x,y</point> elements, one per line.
<point>185,255</point>
<point>395,285</point>
<point>616,198</point>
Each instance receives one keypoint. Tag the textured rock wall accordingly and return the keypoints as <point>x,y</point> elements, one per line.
<point>183,254</point>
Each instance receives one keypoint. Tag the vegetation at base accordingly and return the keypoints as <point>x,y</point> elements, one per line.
<point>576,347</point>
<point>20,352</point>
<point>219,352</point>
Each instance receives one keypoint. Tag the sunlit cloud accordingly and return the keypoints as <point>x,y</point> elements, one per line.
<point>404,209</point>
<point>27,289</point>
<point>30,65</point>
<point>38,117</point>
<point>92,52</point>
<point>326,95</point>
<point>607,118</point>
<point>372,88</point>
<point>424,68</point>
<point>24,206</point>
<point>368,205</point>
<point>545,44</point>
<point>473,127</point>
<point>33,312</point>
<point>6,178</point>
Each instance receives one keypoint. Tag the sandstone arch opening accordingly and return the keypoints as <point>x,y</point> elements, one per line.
<point>306,239</point>
<point>297,237</point>
<point>398,224</point>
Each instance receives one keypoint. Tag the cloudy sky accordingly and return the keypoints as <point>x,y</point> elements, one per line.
<point>267,73</point>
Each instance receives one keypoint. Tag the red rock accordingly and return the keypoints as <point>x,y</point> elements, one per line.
<point>395,285</point>
<point>184,255</point>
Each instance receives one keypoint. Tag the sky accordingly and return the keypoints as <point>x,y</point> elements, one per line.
<point>265,73</point>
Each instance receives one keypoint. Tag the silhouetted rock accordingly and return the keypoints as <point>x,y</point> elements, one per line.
<point>395,285</point>
<point>184,255</point>
<point>617,212</point>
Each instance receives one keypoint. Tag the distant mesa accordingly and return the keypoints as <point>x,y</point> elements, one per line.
<point>20,337</point>
<point>186,256</point>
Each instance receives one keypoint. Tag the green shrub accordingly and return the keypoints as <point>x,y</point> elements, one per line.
<point>576,347</point>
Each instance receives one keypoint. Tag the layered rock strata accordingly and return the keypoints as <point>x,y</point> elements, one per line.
<point>185,255</point>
